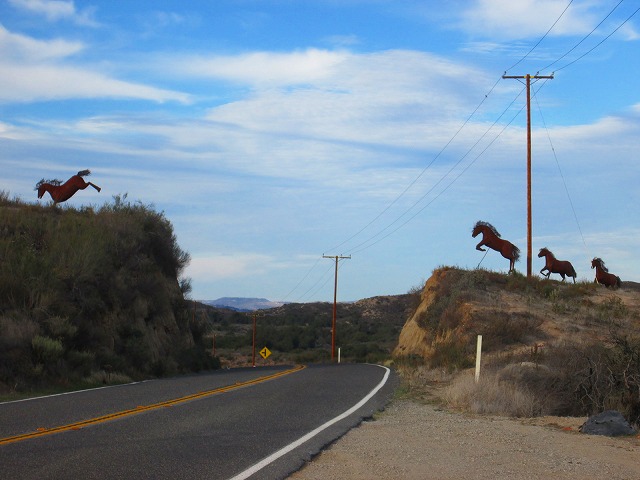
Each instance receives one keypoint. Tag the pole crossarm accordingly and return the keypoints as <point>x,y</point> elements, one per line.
<point>335,301</point>
<point>529,228</point>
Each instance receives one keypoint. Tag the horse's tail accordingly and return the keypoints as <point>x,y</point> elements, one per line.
<point>516,253</point>
<point>618,282</point>
<point>573,271</point>
<point>84,173</point>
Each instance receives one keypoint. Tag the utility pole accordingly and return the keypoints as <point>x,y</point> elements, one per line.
<point>335,303</point>
<point>528,78</point>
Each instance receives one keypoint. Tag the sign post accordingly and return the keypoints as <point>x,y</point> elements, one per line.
<point>478,354</point>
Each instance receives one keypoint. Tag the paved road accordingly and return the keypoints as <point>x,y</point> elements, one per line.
<point>236,423</point>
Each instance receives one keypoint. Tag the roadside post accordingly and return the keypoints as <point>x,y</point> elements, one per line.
<point>478,354</point>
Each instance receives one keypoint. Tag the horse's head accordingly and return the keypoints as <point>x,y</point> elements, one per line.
<point>41,189</point>
<point>598,262</point>
<point>543,252</point>
<point>482,227</point>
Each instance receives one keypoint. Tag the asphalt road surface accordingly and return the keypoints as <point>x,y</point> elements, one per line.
<point>258,423</point>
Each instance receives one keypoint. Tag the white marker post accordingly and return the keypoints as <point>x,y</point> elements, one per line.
<point>478,354</point>
<point>338,354</point>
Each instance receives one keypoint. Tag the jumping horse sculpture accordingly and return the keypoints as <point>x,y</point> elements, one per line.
<point>603,276</point>
<point>491,238</point>
<point>61,192</point>
<point>554,265</point>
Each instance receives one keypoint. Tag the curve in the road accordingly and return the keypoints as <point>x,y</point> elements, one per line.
<point>283,451</point>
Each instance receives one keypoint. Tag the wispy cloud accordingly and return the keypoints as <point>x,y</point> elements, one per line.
<point>42,70</point>
<point>57,10</point>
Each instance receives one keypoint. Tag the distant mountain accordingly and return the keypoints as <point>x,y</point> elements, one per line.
<point>243,304</point>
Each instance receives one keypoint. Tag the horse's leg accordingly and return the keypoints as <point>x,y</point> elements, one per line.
<point>478,246</point>
<point>94,186</point>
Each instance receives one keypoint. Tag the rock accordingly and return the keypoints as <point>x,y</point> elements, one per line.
<point>609,423</point>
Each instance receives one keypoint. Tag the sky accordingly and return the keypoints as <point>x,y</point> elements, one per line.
<point>272,133</point>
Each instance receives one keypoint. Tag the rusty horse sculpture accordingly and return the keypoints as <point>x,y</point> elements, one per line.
<point>603,276</point>
<point>553,265</point>
<point>491,238</point>
<point>63,192</point>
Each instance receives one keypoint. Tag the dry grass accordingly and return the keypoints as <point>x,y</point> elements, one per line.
<point>491,395</point>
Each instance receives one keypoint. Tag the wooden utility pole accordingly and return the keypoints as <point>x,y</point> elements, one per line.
<point>335,303</point>
<point>528,83</point>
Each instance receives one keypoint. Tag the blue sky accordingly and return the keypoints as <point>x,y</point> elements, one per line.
<point>273,132</point>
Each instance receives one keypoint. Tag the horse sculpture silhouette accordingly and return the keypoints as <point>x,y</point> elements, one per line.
<point>603,276</point>
<point>554,265</point>
<point>491,238</point>
<point>62,193</point>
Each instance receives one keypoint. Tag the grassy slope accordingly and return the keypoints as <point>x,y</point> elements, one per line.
<point>91,294</point>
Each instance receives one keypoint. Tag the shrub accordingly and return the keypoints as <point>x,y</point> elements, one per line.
<point>46,350</point>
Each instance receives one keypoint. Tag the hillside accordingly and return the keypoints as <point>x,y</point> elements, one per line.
<point>242,304</point>
<point>577,347</point>
<point>367,330</point>
<point>92,295</point>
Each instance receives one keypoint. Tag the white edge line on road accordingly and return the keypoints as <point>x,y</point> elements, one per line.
<point>283,451</point>
<point>72,392</point>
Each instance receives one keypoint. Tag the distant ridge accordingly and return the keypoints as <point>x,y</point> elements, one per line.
<point>243,304</point>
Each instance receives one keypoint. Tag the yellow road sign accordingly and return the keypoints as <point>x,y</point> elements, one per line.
<point>265,352</point>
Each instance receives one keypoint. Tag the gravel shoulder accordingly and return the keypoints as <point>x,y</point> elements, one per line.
<point>410,440</point>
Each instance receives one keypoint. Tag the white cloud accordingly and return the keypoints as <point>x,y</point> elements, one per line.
<point>266,69</point>
<point>55,10</point>
<point>40,70</point>
<point>28,83</point>
<point>508,19</point>
<point>220,267</point>
<point>27,49</point>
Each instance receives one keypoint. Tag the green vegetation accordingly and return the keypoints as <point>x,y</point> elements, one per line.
<point>91,295</point>
<point>366,331</point>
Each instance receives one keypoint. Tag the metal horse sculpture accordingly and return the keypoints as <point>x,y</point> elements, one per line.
<point>61,192</point>
<point>603,276</point>
<point>554,265</point>
<point>491,238</point>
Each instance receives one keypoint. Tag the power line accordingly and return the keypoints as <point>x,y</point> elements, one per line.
<point>583,39</point>
<point>564,183</point>
<point>357,248</point>
<point>422,172</point>
<point>599,43</point>
<point>543,37</point>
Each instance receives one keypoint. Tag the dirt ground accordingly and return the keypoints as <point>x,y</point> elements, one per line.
<point>411,440</point>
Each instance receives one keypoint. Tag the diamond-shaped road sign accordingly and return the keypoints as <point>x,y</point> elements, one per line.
<point>265,352</point>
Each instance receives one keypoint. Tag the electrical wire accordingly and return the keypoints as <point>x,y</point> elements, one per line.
<point>564,183</point>
<point>599,43</point>
<point>583,39</point>
<point>543,37</point>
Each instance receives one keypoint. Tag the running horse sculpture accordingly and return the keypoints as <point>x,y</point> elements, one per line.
<point>554,265</point>
<point>603,276</point>
<point>491,238</point>
<point>61,192</point>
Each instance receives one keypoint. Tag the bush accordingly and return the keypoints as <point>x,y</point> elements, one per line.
<point>46,350</point>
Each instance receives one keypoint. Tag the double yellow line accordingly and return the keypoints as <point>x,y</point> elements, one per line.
<point>40,432</point>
